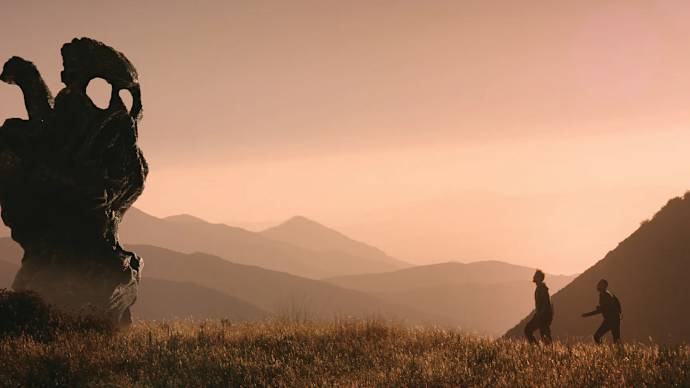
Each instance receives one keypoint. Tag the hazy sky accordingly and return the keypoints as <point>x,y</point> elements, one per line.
<point>536,132</point>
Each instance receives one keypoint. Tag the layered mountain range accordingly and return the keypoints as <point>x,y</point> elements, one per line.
<point>196,269</point>
<point>303,270</point>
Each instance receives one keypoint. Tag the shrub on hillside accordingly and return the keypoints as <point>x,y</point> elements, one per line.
<point>25,313</point>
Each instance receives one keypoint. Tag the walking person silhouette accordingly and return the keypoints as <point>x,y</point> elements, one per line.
<point>610,307</point>
<point>543,314</point>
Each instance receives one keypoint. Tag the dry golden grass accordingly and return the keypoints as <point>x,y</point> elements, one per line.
<point>344,353</point>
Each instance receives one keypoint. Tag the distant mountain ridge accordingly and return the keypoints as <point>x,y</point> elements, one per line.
<point>181,285</point>
<point>184,218</point>
<point>432,275</point>
<point>188,234</point>
<point>279,293</point>
<point>648,271</point>
<point>484,297</point>
<point>299,245</point>
<point>309,234</point>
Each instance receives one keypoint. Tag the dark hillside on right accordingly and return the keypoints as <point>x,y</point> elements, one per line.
<point>649,272</point>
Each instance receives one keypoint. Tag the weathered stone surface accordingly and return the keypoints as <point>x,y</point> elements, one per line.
<point>67,176</point>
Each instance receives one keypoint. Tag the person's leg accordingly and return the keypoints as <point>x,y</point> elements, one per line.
<point>603,329</point>
<point>545,330</point>
<point>616,331</point>
<point>529,330</point>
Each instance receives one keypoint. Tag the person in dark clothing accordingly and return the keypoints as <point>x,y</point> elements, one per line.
<point>610,308</point>
<point>543,314</point>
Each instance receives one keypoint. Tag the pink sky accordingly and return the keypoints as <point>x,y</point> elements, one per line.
<point>536,132</point>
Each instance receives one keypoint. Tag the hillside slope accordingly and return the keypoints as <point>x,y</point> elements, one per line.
<point>276,292</point>
<point>649,273</point>
<point>160,299</point>
<point>484,297</point>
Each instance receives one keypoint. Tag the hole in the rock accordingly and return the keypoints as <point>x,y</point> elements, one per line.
<point>99,91</point>
<point>13,104</point>
<point>126,98</point>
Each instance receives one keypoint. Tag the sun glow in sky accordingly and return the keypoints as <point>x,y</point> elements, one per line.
<point>535,132</point>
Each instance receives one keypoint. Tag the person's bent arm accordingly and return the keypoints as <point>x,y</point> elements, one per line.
<point>595,312</point>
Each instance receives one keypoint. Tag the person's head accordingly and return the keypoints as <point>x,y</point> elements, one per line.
<point>538,276</point>
<point>603,285</point>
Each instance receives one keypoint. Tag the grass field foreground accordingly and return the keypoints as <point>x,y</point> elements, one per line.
<point>360,353</point>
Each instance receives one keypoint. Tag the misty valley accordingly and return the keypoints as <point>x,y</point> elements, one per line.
<point>300,269</point>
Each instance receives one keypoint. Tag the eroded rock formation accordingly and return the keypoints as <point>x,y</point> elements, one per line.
<point>67,176</point>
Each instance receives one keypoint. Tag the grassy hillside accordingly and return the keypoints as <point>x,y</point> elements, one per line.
<point>648,271</point>
<point>340,353</point>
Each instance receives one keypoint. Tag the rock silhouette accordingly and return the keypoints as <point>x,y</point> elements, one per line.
<point>68,174</point>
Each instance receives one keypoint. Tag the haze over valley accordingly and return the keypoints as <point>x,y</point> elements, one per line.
<point>299,268</point>
<point>304,270</point>
<point>404,160</point>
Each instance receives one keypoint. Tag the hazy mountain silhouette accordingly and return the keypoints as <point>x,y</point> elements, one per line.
<point>164,299</point>
<point>185,218</point>
<point>485,297</point>
<point>433,275</point>
<point>276,292</point>
<point>189,234</point>
<point>305,233</point>
<point>648,272</point>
